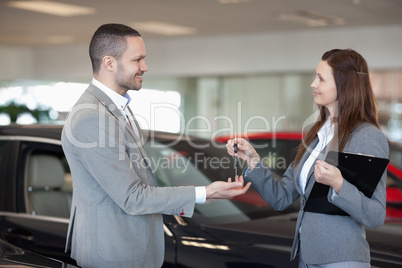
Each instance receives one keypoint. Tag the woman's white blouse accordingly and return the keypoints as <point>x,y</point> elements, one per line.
<point>325,135</point>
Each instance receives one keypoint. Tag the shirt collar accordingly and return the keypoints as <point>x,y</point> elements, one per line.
<point>120,101</point>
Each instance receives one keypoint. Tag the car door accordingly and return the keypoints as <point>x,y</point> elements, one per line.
<point>28,218</point>
<point>37,190</point>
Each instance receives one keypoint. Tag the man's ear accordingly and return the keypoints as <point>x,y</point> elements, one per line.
<point>109,63</point>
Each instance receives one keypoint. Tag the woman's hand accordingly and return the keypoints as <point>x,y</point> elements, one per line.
<point>227,190</point>
<point>329,175</point>
<point>244,151</point>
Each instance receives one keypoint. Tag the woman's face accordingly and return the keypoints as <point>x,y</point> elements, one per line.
<point>325,93</point>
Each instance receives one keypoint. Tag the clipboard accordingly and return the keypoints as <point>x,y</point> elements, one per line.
<point>363,171</point>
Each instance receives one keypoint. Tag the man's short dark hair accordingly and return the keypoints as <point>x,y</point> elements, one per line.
<point>109,39</point>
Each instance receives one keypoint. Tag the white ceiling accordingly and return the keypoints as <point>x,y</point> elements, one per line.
<point>207,17</point>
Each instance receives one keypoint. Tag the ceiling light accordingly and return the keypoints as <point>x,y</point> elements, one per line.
<point>53,8</point>
<point>163,28</point>
<point>312,19</point>
<point>231,1</point>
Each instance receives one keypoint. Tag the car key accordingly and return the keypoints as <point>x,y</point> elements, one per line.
<point>235,157</point>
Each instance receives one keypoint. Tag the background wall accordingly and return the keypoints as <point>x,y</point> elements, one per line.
<point>265,78</point>
<point>245,54</point>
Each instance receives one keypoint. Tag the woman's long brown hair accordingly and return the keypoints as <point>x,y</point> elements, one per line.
<point>356,101</point>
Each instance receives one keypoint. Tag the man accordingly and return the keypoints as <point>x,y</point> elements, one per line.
<point>116,216</point>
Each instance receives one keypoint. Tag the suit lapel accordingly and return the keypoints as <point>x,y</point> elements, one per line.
<point>140,140</point>
<point>111,107</point>
<point>310,177</point>
<point>300,166</point>
<point>106,102</point>
<point>141,137</point>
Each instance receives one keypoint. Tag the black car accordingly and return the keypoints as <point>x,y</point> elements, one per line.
<point>36,191</point>
<point>15,257</point>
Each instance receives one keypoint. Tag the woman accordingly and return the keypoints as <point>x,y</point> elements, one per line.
<point>348,123</point>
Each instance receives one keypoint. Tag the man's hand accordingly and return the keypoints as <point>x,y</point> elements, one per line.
<point>227,190</point>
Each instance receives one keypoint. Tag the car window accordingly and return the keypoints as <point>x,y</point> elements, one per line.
<point>48,185</point>
<point>182,164</point>
<point>47,181</point>
<point>173,168</point>
<point>277,154</point>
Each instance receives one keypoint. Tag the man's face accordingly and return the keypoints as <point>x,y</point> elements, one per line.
<point>132,65</point>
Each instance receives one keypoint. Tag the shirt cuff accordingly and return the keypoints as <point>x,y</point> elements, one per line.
<point>334,194</point>
<point>247,171</point>
<point>200,194</point>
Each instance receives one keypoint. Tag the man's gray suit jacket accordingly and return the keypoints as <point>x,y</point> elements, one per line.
<point>330,238</point>
<point>116,216</point>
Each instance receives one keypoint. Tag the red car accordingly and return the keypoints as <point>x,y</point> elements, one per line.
<point>279,150</point>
